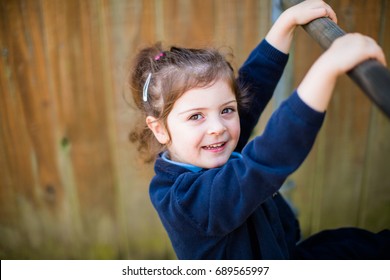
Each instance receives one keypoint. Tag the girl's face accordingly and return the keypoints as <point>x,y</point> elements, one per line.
<point>204,126</point>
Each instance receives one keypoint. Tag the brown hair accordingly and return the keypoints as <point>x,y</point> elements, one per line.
<point>173,73</point>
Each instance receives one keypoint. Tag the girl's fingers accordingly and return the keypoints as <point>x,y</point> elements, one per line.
<point>378,52</point>
<point>330,13</point>
<point>358,48</point>
<point>373,49</point>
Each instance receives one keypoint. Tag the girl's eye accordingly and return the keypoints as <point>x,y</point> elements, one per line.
<point>227,110</point>
<point>195,117</point>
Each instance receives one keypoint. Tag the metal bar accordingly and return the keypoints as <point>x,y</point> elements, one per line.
<point>371,76</point>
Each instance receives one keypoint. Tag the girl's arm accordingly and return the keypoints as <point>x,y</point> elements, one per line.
<point>262,70</point>
<point>281,33</point>
<point>259,75</point>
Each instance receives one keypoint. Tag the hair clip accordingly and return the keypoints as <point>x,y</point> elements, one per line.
<point>157,57</point>
<point>145,89</point>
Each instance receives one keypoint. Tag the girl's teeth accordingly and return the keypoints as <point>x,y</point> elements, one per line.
<point>214,146</point>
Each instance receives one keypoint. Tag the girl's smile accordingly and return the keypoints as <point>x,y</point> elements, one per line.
<point>215,147</point>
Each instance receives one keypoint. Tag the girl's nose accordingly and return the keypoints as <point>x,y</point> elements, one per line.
<point>216,127</point>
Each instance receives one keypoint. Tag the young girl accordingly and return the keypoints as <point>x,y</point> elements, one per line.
<point>216,194</point>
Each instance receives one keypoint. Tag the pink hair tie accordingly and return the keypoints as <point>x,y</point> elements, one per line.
<point>157,57</point>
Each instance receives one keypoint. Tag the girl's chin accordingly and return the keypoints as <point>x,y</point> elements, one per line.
<point>213,163</point>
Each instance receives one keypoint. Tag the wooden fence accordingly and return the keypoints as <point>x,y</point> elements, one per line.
<point>71,185</point>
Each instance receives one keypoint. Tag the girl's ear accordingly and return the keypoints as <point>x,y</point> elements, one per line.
<point>158,129</point>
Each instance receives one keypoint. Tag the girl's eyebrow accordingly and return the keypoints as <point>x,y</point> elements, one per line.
<point>200,108</point>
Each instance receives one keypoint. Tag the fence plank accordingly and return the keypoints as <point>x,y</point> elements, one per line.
<point>375,200</point>
<point>337,164</point>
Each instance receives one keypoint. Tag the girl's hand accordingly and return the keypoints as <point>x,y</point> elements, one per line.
<point>281,33</point>
<point>344,54</point>
<point>307,11</point>
<point>351,49</point>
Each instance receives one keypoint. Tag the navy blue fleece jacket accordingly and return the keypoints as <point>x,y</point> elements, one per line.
<point>235,211</point>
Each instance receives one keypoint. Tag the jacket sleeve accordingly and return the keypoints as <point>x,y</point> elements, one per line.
<point>259,76</point>
<point>219,200</point>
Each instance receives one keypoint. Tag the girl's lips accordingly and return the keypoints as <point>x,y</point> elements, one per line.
<point>217,147</point>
